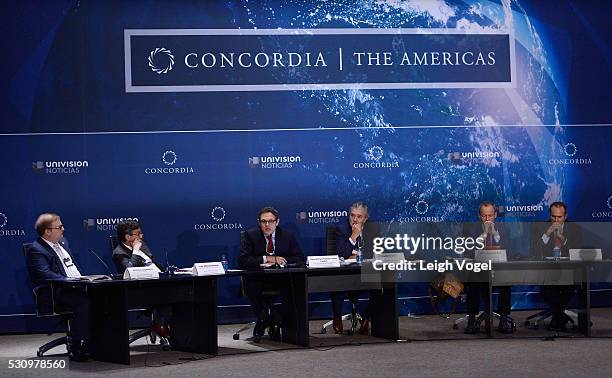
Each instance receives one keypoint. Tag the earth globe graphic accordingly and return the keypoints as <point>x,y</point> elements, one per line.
<point>450,148</point>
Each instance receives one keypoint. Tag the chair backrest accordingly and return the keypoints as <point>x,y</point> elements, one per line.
<point>114,242</point>
<point>43,295</point>
<point>330,240</point>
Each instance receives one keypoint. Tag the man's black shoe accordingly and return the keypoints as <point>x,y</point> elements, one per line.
<point>259,330</point>
<point>473,326</point>
<point>505,325</point>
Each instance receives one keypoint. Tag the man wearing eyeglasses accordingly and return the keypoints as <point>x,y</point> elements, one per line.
<point>49,258</point>
<point>131,251</point>
<point>266,245</point>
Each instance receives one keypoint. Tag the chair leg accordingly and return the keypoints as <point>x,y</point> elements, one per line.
<point>138,334</point>
<point>51,344</point>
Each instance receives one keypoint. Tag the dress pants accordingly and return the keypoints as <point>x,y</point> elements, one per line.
<point>76,301</point>
<point>477,289</point>
<point>337,299</point>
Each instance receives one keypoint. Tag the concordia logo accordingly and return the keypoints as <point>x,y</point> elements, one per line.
<point>218,215</point>
<point>421,207</point>
<point>570,150</point>
<point>9,232</point>
<point>604,213</point>
<point>325,216</point>
<point>274,162</point>
<point>374,156</point>
<point>519,211</point>
<point>161,60</point>
<point>60,167</point>
<point>104,224</point>
<point>169,158</point>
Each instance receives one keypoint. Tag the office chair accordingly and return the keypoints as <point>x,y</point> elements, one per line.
<point>145,332</point>
<point>354,317</point>
<point>269,295</point>
<point>540,317</point>
<point>44,308</point>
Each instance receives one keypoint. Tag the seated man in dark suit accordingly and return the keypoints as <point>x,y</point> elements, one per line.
<point>492,235</point>
<point>545,238</point>
<point>49,258</point>
<point>271,245</point>
<point>350,236</point>
<point>132,251</point>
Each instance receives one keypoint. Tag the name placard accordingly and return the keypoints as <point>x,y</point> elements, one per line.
<point>208,269</point>
<point>141,272</point>
<point>329,261</point>
<point>494,255</point>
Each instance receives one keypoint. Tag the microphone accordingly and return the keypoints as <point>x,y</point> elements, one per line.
<point>108,270</point>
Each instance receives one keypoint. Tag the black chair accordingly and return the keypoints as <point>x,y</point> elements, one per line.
<point>269,295</point>
<point>145,332</point>
<point>45,307</point>
<point>354,317</point>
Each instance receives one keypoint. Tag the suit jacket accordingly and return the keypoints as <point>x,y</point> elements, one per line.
<point>253,248</point>
<point>344,248</point>
<point>44,264</point>
<point>123,258</point>
<point>539,250</point>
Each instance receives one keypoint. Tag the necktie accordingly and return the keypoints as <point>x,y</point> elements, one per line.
<point>270,246</point>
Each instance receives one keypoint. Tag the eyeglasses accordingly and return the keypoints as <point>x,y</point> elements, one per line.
<point>267,222</point>
<point>60,227</point>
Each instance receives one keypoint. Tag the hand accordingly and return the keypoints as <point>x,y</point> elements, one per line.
<point>353,256</point>
<point>136,245</point>
<point>357,229</point>
<point>280,260</point>
<point>553,227</point>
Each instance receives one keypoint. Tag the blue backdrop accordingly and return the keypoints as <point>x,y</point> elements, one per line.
<point>105,116</point>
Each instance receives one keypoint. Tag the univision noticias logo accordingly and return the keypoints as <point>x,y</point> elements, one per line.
<point>169,158</point>
<point>519,211</point>
<point>274,162</point>
<point>60,167</point>
<point>466,157</point>
<point>323,216</point>
<point>6,231</point>
<point>104,224</point>
<point>375,159</point>
<point>218,215</point>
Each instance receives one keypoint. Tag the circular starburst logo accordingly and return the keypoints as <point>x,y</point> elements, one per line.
<point>218,213</point>
<point>375,153</point>
<point>169,157</point>
<point>570,149</point>
<point>609,202</point>
<point>161,60</point>
<point>3,220</point>
<point>421,207</point>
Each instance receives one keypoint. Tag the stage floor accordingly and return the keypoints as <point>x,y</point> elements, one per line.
<point>428,332</point>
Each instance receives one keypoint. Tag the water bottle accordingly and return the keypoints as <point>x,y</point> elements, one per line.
<point>359,255</point>
<point>224,262</point>
<point>557,253</point>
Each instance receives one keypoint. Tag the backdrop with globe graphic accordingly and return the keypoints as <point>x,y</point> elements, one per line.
<point>181,115</point>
